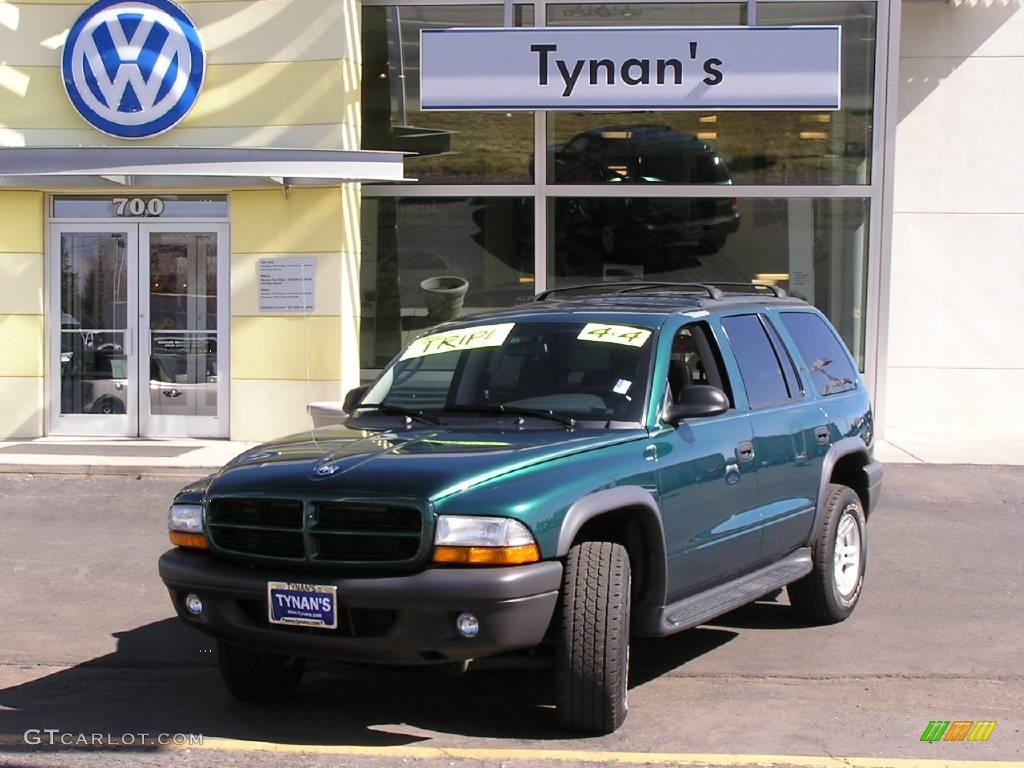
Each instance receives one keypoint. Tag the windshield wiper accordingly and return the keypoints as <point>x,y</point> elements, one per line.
<point>400,411</point>
<point>512,410</point>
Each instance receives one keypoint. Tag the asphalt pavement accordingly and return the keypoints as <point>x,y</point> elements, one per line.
<point>89,645</point>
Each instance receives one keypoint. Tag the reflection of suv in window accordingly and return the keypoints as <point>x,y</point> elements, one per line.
<point>645,154</point>
<point>622,460</point>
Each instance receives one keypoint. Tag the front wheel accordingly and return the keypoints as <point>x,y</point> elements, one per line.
<point>829,593</point>
<point>592,667</point>
<point>256,676</point>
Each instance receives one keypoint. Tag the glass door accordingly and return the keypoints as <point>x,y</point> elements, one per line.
<point>93,362</point>
<point>183,321</point>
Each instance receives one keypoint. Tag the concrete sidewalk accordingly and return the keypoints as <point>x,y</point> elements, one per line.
<point>117,456</point>
<point>906,447</point>
<point>187,457</point>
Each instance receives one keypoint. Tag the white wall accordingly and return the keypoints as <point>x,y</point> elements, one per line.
<point>956,331</point>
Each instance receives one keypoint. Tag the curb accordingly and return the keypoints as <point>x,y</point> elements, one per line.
<point>93,471</point>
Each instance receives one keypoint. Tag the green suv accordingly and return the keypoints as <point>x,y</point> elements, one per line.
<point>605,462</point>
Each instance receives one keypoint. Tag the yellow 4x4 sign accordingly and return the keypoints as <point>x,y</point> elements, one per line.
<point>615,334</point>
<point>456,341</point>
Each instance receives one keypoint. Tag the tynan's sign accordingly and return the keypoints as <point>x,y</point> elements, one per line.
<point>598,68</point>
<point>133,68</point>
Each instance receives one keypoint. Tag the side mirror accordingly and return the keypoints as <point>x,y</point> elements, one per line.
<point>352,399</point>
<point>696,401</point>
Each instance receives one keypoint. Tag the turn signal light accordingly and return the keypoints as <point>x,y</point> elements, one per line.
<point>525,553</point>
<point>189,540</point>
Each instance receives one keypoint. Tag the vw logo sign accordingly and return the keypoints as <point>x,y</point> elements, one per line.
<point>133,68</point>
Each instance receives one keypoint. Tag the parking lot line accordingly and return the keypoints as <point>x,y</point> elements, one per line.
<point>587,756</point>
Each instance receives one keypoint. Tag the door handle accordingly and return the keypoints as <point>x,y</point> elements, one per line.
<point>745,451</point>
<point>821,435</point>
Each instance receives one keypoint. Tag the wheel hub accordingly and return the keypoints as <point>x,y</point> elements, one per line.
<point>847,557</point>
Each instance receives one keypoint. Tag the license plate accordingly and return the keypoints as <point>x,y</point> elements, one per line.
<point>304,605</point>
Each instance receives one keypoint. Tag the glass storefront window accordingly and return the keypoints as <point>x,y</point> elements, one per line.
<point>449,147</point>
<point>427,260</point>
<point>785,147</point>
<point>815,248</point>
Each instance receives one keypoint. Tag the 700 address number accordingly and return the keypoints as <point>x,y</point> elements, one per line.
<point>138,206</point>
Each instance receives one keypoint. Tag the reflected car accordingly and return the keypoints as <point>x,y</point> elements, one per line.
<point>644,154</point>
<point>183,375</point>
<point>94,376</point>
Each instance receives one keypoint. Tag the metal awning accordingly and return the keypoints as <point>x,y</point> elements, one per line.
<point>228,167</point>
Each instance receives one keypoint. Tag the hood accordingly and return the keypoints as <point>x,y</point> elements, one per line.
<point>426,464</point>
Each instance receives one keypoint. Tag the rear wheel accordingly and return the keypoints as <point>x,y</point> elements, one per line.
<point>592,668</point>
<point>256,676</point>
<point>829,593</point>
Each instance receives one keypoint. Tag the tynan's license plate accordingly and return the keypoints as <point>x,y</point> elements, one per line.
<point>304,605</point>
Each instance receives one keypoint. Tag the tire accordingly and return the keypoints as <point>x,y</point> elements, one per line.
<point>829,593</point>
<point>592,662</point>
<point>256,676</point>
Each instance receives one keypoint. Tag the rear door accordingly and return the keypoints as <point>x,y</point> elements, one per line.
<point>790,430</point>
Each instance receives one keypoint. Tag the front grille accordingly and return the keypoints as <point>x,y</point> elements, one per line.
<point>365,517</point>
<point>258,513</point>
<point>333,532</point>
<point>366,533</point>
<point>252,541</point>
<point>368,549</point>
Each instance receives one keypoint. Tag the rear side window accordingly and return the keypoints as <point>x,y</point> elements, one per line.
<point>822,351</point>
<point>759,364</point>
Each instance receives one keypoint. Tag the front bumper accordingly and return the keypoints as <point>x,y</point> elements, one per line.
<point>393,620</point>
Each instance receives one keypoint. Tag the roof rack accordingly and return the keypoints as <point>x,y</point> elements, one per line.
<point>713,290</point>
<point>779,293</point>
<point>631,286</point>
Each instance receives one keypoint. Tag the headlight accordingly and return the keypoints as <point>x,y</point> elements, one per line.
<point>187,518</point>
<point>185,523</point>
<point>469,540</point>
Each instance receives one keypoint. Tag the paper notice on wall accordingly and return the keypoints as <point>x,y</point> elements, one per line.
<point>801,249</point>
<point>287,285</point>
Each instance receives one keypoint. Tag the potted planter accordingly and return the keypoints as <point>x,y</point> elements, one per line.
<point>444,296</point>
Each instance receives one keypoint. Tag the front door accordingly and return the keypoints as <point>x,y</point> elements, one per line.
<point>182,356</point>
<point>707,483</point>
<point>140,348</point>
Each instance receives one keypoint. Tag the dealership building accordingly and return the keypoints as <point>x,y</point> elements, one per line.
<point>214,213</point>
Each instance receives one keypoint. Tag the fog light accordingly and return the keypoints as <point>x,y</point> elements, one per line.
<point>467,624</point>
<point>193,604</point>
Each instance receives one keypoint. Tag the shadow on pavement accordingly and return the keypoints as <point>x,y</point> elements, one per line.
<point>163,678</point>
<point>764,615</point>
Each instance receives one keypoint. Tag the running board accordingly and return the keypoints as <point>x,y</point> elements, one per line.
<point>698,609</point>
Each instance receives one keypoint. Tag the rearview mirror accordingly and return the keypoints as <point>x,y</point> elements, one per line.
<point>696,401</point>
<point>352,399</point>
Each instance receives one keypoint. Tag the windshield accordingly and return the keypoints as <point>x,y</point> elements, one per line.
<point>574,370</point>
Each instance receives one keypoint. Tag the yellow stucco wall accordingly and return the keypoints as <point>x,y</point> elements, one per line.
<point>21,314</point>
<point>281,73</point>
<point>281,361</point>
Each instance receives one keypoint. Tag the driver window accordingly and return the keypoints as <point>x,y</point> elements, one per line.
<point>694,360</point>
